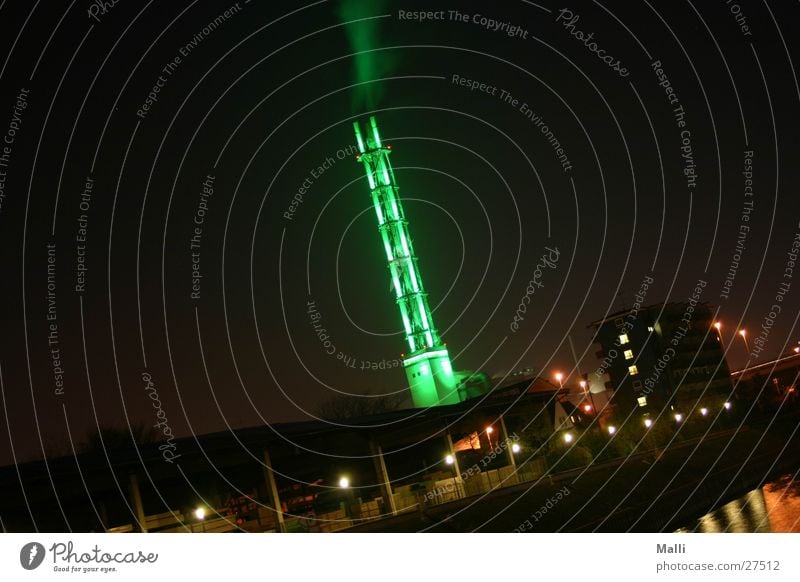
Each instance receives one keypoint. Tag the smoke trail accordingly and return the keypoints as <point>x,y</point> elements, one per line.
<point>364,36</point>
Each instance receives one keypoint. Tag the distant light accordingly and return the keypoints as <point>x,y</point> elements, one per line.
<point>727,405</point>
<point>717,325</point>
<point>612,429</point>
<point>558,376</point>
<point>648,423</point>
<point>678,417</point>
<point>583,382</point>
<point>449,459</point>
<point>587,407</point>
<point>515,448</point>
<point>489,430</point>
<point>704,411</point>
<point>742,332</point>
<point>649,328</point>
<point>344,482</point>
<point>797,349</point>
<point>568,437</point>
<point>200,513</point>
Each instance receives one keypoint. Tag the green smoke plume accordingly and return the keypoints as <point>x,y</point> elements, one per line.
<point>364,36</point>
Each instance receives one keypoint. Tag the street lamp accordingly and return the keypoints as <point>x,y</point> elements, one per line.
<point>743,333</point>
<point>727,405</point>
<point>560,379</point>
<point>718,325</point>
<point>612,430</point>
<point>704,411</point>
<point>515,448</point>
<point>568,437</point>
<point>200,513</point>
<point>344,482</point>
<point>678,417</point>
<point>449,459</point>
<point>648,423</point>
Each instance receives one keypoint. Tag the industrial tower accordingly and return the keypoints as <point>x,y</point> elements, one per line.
<point>428,369</point>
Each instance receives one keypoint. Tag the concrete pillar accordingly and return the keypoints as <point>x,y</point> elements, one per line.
<point>272,491</point>
<point>136,500</point>
<point>383,477</point>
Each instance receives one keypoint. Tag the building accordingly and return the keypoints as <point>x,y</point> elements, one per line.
<point>668,353</point>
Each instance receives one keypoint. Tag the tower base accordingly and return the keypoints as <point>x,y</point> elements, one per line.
<point>430,377</point>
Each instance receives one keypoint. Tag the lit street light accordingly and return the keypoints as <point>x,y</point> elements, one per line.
<point>568,438</point>
<point>648,423</point>
<point>515,448</point>
<point>743,334</point>
<point>344,482</point>
<point>678,417</point>
<point>200,513</point>
<point>727,405</point>
<point>704,411</point>
<point>612,430</point>
<point>449,459</point>
<point>560,379</point>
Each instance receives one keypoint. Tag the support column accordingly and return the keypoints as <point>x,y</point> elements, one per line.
<point>512,460</point>
<point>383,477</point>
<point>136,500</point>
<point>272,491</point>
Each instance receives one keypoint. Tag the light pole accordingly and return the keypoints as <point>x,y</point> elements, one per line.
<point>743,333</point>
<point>718,325</point>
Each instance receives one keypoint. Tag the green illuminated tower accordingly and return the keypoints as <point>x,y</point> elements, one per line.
<point>428,368</point>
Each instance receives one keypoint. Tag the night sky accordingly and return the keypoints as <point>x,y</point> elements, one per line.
<point>205,119</point>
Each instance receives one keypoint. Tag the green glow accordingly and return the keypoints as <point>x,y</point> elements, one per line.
<point>404,244</point>
<point>431,382</point>
<point>358,137</point>
<point>397,287</point>
<point>375,133</point>
<point>414,284</point>
<point>378,210</point>
<point>426,355</point>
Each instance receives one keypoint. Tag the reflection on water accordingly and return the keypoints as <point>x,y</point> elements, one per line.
<point>773,508</point>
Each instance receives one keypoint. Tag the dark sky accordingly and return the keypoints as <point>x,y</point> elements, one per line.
<point>260,100</point>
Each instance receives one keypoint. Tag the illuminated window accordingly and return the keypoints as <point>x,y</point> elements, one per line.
<point>633,370</point>
<point>642,400</point>
<point>649,328</point>
<point>628,354</point>
<point>623,339</point>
